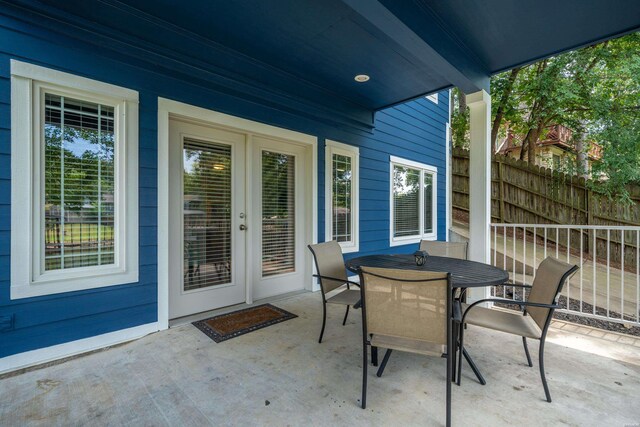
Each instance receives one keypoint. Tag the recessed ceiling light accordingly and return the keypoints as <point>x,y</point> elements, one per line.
<point>361,78</point>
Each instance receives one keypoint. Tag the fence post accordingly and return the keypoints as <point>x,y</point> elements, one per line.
<point>589,205</point>
<point>501,188</point>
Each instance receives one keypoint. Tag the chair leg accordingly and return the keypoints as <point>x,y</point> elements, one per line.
<point>456,341</point>
<point>450,361</point>
<point>526,351</point>
<point>324,320</point>
<point>383,365</point>
<point>365,362</point>
<point>542,375</point>
<point>374,356</point>
<point>459,353</point>
<point>345,316</point>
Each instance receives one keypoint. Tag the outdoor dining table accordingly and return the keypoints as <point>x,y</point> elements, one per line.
<point>464,274</point>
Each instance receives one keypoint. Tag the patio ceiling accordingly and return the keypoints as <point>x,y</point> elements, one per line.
<point>305,53</point>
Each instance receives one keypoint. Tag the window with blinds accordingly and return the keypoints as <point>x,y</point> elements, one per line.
<point>428,202</point>
<point>406,201</point>
<point>79,183</point>
<point>341,201</point>
<point>341,194</point>
<point>413,201</point>
<point>74,163</point>
<point>278,213</point>
<point>206,214</point>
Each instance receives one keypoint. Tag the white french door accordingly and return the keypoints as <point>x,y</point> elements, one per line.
<point>279,221</point>
<point>237,217</point>
<point>207,216</point>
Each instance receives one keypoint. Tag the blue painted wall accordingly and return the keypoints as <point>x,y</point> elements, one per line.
<point>415,131</point>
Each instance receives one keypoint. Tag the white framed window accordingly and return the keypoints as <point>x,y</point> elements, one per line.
<point>413,201</point>
<point>341,195</point>
<point>433,98</point>
<point>74,182</point>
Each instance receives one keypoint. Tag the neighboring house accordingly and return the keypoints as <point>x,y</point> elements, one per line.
<point>556,150</point>
<point>167,196</point>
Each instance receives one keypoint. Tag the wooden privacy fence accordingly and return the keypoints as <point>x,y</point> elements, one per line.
<point>527,194</point>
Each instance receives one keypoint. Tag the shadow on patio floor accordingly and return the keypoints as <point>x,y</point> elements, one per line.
<point>280,375</point>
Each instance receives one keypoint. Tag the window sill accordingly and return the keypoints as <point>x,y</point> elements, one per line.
<point>347,249</point>
<point>58,286</point>
<point>411,240</point>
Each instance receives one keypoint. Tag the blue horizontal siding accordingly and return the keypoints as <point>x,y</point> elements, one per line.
<point>415,131</point>
<point>48,334</point>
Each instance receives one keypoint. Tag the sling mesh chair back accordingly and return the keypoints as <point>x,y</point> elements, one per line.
<point>332,275</point>
<point>448,249</point>
<point>408,311</point>
<point>547,285</point>
<point>537,311</point>
<point>456,250</point>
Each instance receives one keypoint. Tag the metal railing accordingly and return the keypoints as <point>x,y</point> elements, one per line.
<point>607,286</point>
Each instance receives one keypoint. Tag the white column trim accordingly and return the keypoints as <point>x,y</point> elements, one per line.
<point>163,216</point>
<point>447,155</point>
<point>480,181</point>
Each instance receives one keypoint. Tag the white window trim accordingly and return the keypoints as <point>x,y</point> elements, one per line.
<point>406,240</point>
<point>28,83</point>
<point>331,148</point>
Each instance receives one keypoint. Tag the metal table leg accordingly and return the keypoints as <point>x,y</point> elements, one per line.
<point>473,366</point>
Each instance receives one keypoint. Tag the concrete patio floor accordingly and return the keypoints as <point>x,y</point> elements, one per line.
<point>281,376</point>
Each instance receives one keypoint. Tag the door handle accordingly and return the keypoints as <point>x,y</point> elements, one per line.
<point>243,227</point>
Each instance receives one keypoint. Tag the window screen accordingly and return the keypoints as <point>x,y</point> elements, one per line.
<point>341,203</point>
<point>406,201</point>
<point>79,183</point>
<point>428,203</point>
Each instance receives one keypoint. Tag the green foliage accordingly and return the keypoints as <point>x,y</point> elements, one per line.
<point>459,121</point>
<point>595,91</point>
<point>83,186</point>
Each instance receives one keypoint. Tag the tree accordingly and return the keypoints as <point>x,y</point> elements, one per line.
<point>595,91</point>
<point>459,119</point>
<point>503,84</point>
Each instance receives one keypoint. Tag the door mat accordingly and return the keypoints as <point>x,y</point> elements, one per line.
<point>226,326</point>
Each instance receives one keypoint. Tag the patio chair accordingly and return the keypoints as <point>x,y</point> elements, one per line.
<point>535,318</point>
<point>408,311</point>
<point>448,249</point>
<point>456,250</point>
<point>332,274</point>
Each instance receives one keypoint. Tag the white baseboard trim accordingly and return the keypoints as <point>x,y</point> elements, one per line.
<point>48,354</point>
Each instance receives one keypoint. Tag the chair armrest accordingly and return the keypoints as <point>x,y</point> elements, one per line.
<point>464,290</point>
<point>515,285</point>
<point>509,301</point>
<point>337,280</point>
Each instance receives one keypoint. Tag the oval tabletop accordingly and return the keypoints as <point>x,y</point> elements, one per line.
<point>464,273</point>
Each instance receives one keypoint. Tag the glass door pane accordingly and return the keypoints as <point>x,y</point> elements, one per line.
<point>206,214</point>
<point>278,213</point>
